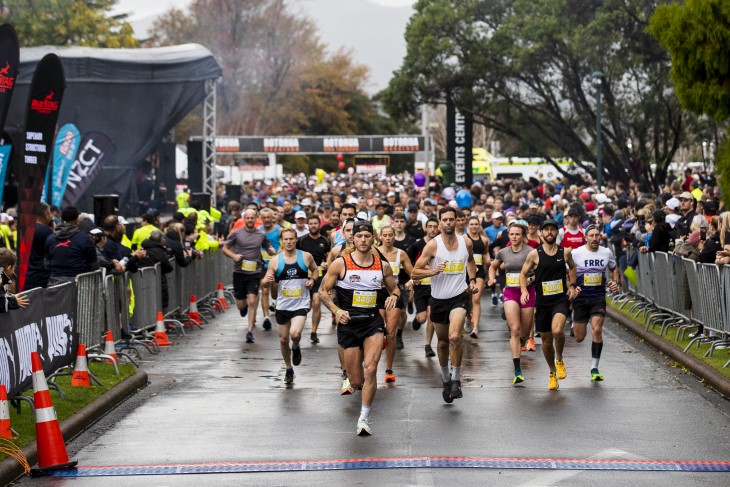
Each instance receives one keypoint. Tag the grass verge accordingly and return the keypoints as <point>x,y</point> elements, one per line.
<point>716,361</point>
<point>76,399</point>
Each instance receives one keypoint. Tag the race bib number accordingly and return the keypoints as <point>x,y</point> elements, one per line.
<point>321,272</point>
<point>248,265</point>
<point>291,292</point>
<point>479,259</point>
<point>396,269</point>
<point>426,281</point>
<point>364,299</point>
<point>513,279</point>
<point>592,279</point>
<point>550,288</point>
<point>266,256</point>
<point>454,267</point>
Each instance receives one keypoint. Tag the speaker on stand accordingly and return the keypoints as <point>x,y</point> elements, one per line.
<point>105,205</point>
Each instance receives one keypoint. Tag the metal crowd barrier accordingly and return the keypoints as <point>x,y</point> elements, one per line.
<point>146,297</point>
<point>116,288</point>
<point>90,308</point>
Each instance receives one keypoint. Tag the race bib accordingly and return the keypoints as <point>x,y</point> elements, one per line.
<point>291,292</point>
<point>592,279</point>
<point>266,256</point>
<point>396,268</point>
<point>550,288</point>
<point>321,272</point>
<point>364,299</point>
<point>454,267</point>
<point>479,259</point>
<point>426,281</point>
<point>513,279</point>
<point>248,265</point>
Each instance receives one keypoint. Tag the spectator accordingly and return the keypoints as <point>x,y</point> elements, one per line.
<point>711,245</point>
<point>673,215</point>
<point>37,275</point>
<point>6,236</point>
<point>150,223</point>
<point>9,302</point>
<point>99,237</point>
<point>177,246</point>
<point>659,239</point>
<point>156,253</point>
<point>68,251</point>
<point>723,255</point>
<point>115,249</point>
<point>687,210</point>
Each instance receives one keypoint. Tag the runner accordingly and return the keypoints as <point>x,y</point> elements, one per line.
<point>591,262</point>
<point>244,247</point>
<point>403,241</point>
<point>357,277</point>
<point>519,315</point>
<point>289,270</point>
<point>480,246</point>
<point>319,246</point>
<point>548,262</point>
<point>393,324</point>
<point>448,260</point>
<point>422,289</point>
<point>571,236</point>
<point>346,213</point>
<point>271,229</point>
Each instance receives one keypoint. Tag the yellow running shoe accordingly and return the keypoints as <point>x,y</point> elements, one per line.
<point>553,383</point>
<point>560,366</point>
<point>518,377</point>
<point>596,375</point>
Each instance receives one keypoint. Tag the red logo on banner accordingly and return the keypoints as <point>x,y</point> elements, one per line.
<point>6,82</point>
<point>46,105</point>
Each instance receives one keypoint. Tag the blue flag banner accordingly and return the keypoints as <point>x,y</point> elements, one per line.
<point>4,163</point>
<point>65,148</point>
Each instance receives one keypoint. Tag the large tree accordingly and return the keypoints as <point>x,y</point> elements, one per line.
<point>697,35</point>
<point>67,23</point>
<point>523,68</point>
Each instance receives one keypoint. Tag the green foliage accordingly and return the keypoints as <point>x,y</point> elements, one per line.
<point>67,23</point>
<point>722,168</point>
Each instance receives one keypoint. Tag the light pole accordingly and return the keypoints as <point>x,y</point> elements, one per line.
<point>597,80</point>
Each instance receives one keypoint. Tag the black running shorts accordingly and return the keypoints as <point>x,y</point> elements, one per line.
<point>283,317</point>
<point>245,284</point>
<point>441,308</point>
<point>584,310</point>
<point>544,314</point>
<point>359,328</point>
<point>421,297</point>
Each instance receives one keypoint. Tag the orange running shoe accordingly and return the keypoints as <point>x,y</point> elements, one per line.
<point>531,344</point>
<point>389,376</point>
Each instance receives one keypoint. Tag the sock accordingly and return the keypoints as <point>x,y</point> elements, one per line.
<point>516,362</point>
<point>445,374</point>
<point>596,349</point>
<point>294,346</point>
<point>344,374</point>
<point>456,373</point>
<point>399,332</point>
<point>290,368</point>
<point>364,412</point>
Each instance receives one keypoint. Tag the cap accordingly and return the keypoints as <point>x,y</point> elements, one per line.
<point>326,206</point>
<point>96,231</point>
<point>685,196</point>
<point>520,222</point>
<point>694,238</point>
<point>390,194</point>
<point>429,201</point>
<point>362,226</point>
<point>533,220</point>
<point>300,214</point>
<point>352,200</point>
<point>496,215</point>
<point>602,199</point>
<point>672,203</point>
<point>412,207</point>
<point>306,202</point>
<point>549,223</point>
<point>573,211</point>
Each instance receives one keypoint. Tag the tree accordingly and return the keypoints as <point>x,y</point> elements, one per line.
<point>697,35</point>
<point>523,68</point>
<point>68,23</point>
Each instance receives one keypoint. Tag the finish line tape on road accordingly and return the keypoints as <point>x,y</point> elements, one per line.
<point>386,463</point>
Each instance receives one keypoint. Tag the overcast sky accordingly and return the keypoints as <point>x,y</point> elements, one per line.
<point>373,29</point>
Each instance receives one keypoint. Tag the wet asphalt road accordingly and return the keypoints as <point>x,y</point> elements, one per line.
<point>213,398</point>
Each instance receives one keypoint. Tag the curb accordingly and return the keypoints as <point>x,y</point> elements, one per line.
<point>10,469</point>
<point>698,368</point>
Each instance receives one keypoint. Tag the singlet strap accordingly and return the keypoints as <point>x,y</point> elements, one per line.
<point>300,260</point>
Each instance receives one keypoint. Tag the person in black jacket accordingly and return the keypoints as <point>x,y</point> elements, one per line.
<point>37,275</point>
<point>660,236</point>
<point>157,253</point>
<point>113,246</point>
<point>9,302</point>
<point>174,241</point>
<point>69,252</point>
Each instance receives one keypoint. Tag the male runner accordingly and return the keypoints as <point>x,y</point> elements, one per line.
<point>357,277</point>
<point>319,246</point>
<point>591,262</point>
<point>271,229</point>
<point>549,261</point>
<point>571,236</point>
<point>289,270</point>
<point>244,247</point>
<point>403,241</point>
<point>346,213</point>
<point>422,291</point>
<point>448,260</point>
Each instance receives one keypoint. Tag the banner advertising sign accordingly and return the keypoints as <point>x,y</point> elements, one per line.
<point>64,154</point>
<point>459,134</point>
<point>48,326</point>
<point>93,152</point>
<point>44,103</point>
<point>9,54</point>
<point>321,145</point>
<point>4,163</point>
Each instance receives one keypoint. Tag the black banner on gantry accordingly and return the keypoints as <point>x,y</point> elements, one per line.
<point>459,134</point>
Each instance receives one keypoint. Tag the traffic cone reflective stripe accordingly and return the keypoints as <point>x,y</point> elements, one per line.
<point>193,312</point>
<point>52,453</point>
<point>80,377</point>
<point>221,297</point>
<point>5,431</point>
<point>109,348</point>
<point>160,332</point>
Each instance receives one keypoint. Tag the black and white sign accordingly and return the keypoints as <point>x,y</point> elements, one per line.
<point>459,133</point>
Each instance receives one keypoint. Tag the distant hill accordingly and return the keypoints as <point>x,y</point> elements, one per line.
<point>373,32</point>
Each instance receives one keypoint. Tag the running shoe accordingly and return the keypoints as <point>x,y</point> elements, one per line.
<point>518,377</point>
<point>560,366</point>
<point>596,375</point>
<point>296,356</point>
<point>313,337</point>
<point>501,298</point>
<point>389,376</point>
<point>523,347</point>
<point>410,308</point>
<point>399,342</point>
<point>474,334</point>
<point>346,388</point>
<point>416,324</point>
<point>243,311</point>
<point>495,299</point>
<point>456,389</point>
<point>446,393</point>
<point>289,376</point>
<point>553,382</point>
<point>267,324</point>
<point>531,344</point>
<point>429,351</point>
<point>249,337</point>
<point>363,427</point>
<point>272,307</point>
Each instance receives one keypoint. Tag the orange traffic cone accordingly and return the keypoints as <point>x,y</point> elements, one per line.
<point>5,431</point>
<point>80,377</point>
<point>193,311</point>
<point>160,332</point>
<point>52,453</point>
<point>109,348</point>
<point>221,297</point>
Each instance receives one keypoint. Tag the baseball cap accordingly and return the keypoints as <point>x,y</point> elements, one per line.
<point>549,222</point>
<point>685,196</point>
<point>520,222</point>
<point>602,198</point>
<point>300,214</point>
<point>496,215</point>
<point>390,194</point>
<point>306,202</point>
<point>96,231</point>
<point>429,201</point>
<point>573,211</point>
<point>672,203</point>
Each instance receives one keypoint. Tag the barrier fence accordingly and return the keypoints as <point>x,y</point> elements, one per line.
<point>663,284</point>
